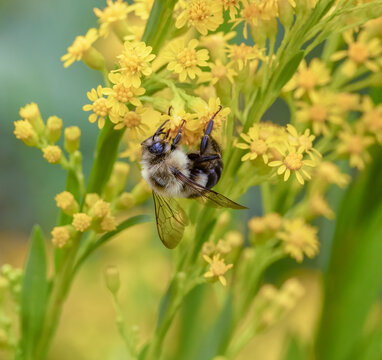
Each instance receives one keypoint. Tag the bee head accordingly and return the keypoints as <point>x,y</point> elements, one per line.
<point>155,145</point>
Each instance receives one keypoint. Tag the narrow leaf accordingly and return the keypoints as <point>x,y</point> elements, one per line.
<point>287,72</point>
<point>34,294</point>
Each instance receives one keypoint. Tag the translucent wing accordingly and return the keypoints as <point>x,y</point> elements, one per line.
<point>171,220</point>
<point>211,197</point>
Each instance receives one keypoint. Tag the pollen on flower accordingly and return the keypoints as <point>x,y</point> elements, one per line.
<point>135,62</point>
<point>204,15</point>
<point>81,222</point>
<point>186,60</point>
<point>293,162</point>
<point>66,202</point>
<point>52,153</point>
<point>25,132</point>
<point>255,144</point>
<point>299,238</point>
<point>217,269</point>
<point>100,106</point>
<point>60,236</point>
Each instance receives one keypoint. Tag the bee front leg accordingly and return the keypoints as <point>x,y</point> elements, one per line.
<point>210,125</point>
<point>178,135</point>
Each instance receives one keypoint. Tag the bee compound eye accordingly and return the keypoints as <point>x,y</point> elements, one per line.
<point>156,148</point>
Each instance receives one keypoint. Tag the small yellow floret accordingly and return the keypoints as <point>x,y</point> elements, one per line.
<point>217,269</point>
<point>101,209</point>
<point>53,128</point>
<point>66,202</point>
<point>25,132</point>
<point>31,113</point>
<point>60,236</point>
<point>108,223</point>
<point>81,221</point>
<point>52,153</point>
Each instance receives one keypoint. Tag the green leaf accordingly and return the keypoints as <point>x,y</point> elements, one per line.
<point>34,294</point>
<point>354,277</point>
<point>294,350</point>
<point>217,338</point>
<point>287,72</point>
<point>134,220</point>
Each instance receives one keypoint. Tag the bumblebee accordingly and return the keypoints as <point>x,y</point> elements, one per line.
<point>172,173</point>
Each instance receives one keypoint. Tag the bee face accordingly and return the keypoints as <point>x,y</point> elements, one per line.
<point>155,146</point>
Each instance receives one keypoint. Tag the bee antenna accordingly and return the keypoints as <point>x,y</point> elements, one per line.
<point>217,112</point>
<point>169,110</point>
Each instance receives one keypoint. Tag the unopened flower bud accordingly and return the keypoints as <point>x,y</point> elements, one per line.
<point>31,113</point>
<point>141,192</point>
<point>52,153</point>
<point>112,279</point>
<point>67,203</point>
<point>25,132</point>
<point>81,222</point>
<point>125,201</point>
<point>101,209</point>
<point>108,223</point>
<point>72,138</point>
<point>53,129</point>
<point>61,236</point>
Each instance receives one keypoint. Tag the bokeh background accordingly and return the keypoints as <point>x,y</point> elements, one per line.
<point>34,34</point>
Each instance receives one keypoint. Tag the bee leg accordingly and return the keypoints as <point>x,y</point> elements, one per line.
<point>159,130</point>
<point>178,135</point>
<point>208,158</point>
<point>204,142</point>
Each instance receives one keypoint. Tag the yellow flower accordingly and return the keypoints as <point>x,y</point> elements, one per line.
<point>318,206</point>
<point>303,141</point>
<point>133,151</point>
<point>113,13</point>
<point>257,146</point>
<point>293,162</point>
<point>372,118</point>
<point>242,54</point>
<point>329,173</point>
<point>254,12</point>
<point>80,47</point>
<point>192,130</point>
<point>354,143</point>
<point>132,120</point>
<point>361,52</point>
<point>204,15</point>
<point>185,60</point>
<point>100,106</point>
<point>142,8</point>
<point>216,43</point>
<point>135,62</point>
<point>81,222</point>
<point>299,238</point>
<point>25,132</point>
<point>233,6</point>
<point>119,97</point>
<point>217,269</point>
<point>321,113</point>
<point>219,71</point>
<point>308,78</point>
<point>347,102</point>
<point>270,223</point>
